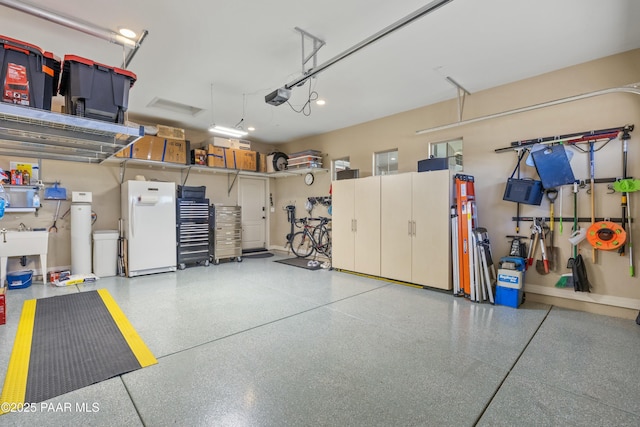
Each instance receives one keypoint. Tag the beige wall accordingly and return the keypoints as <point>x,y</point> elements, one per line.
<point>609,275</point>
<point>104,182</point>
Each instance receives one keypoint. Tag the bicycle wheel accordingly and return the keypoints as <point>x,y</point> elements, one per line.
<point>323,240</point>
<point>301,245</point>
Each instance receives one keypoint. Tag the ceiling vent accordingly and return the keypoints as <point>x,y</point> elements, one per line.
<point>176,107</point>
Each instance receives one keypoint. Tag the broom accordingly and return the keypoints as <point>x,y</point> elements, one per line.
<point>566,280</point>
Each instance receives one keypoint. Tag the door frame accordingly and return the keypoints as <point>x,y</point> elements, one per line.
<point>267,222</point>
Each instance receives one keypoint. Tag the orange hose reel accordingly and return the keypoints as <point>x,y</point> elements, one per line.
<point>606,235</point>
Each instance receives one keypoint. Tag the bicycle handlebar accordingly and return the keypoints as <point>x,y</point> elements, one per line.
<point>322,219</point>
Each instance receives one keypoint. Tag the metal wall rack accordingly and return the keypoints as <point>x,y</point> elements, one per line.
<point>41,134</point>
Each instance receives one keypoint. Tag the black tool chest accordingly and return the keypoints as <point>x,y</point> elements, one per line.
<point>192,227</point>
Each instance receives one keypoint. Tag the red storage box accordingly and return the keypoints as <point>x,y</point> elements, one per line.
<point>3,307</point>
<point>94,90</point>
<point>28,75</point>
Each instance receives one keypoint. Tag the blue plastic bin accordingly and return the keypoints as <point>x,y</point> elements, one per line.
<point>20,279</point>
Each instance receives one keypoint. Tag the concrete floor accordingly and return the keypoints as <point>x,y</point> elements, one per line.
<point>260,343</point>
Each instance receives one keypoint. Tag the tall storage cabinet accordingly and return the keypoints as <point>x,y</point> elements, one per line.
<point>415,228</point>
<point>356,225</point>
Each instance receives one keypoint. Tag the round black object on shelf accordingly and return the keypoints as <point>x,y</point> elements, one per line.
<point>280,161</point>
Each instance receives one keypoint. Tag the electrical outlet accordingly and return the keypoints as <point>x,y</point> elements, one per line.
<point>272,209</point>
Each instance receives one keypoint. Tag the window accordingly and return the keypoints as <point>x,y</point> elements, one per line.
<point>385,163</point>
<point>338,165</point>
<point>449,149</point>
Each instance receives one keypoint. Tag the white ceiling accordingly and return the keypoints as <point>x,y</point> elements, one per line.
<point>251,48</point>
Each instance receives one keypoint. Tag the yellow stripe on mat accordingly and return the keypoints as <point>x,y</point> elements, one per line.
<point>138,347</point>
<point>15,384</point>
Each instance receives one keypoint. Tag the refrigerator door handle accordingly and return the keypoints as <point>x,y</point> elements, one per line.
<point>132,217</point>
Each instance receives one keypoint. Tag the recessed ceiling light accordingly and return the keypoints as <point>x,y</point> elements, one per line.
<point>251,128</point>
<point>321,102</point>
<point>127,33</point>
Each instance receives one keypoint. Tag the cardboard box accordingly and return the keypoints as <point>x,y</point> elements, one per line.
<point>261,160</point>
<point>198,157</point>
<point>148,148</point>
<point>240,159</point>
<point>216,157</point>
<point>158,149</point>
<point>169,132</point>
<point>3,307</point>
<point>175,151</point>
<point>231,143</point>
<point>124,153</point>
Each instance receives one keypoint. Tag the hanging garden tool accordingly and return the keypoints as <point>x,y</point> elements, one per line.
<point>606,235</point>
<point>542,266</point>
<point>626,186</point>
<point>552,195</point>
<point>53,228</point>
<point>592,173</point>
<point>535,236</point>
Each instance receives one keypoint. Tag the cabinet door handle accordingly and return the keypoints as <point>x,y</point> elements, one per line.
<point>355,225</point>
<point>414,227</point>
<point>409,227</point>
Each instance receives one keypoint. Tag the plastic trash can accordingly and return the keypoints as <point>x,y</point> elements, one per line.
<point>105,253</point>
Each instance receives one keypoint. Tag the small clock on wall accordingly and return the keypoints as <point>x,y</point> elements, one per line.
<point>308,178</point>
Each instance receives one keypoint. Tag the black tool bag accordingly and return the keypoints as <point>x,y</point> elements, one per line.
<point>580,279</point>
<point>527,191</point>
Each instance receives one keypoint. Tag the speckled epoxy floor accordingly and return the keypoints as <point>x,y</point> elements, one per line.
<point>260,343</point>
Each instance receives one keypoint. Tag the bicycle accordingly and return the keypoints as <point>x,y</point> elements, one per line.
<point>312,238</point>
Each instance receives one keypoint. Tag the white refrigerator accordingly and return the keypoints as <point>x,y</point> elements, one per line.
<point>149,214</point>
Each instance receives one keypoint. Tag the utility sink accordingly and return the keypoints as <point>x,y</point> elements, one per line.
<point>20,243</point>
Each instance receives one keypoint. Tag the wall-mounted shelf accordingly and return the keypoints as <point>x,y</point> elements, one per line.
<point>30,132</point>
<point>17,195</point>
<point>123,162</point>
<point>19,210</point>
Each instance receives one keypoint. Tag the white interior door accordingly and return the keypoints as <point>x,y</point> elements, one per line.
<point>253,200</point>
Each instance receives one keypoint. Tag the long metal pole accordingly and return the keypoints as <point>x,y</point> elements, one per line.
<point>632,88</point>
<point>425,10</point>
<point>68,22</point>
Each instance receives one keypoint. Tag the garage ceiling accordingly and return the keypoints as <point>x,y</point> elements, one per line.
<point>246,49</point>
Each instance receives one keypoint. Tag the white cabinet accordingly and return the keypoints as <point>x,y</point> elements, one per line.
<point>356,225</point>
<point>415,228</point>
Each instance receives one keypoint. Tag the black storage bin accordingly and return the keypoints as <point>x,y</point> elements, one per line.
<point>94,90</point>
<point>52,78</point>
<point>25,74</point>
<point>433,164</point>
<point>187,192</point>
<point>527,191</point>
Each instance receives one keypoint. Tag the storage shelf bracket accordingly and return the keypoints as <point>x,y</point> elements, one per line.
<point>184,176</point>
<point>462,94</point>
<point>317,44</point>
<point>235,177</point>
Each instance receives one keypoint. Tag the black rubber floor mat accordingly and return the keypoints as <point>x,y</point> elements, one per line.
<point>257,255</point>
<point>300,262</point>
<point>75,340</point>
